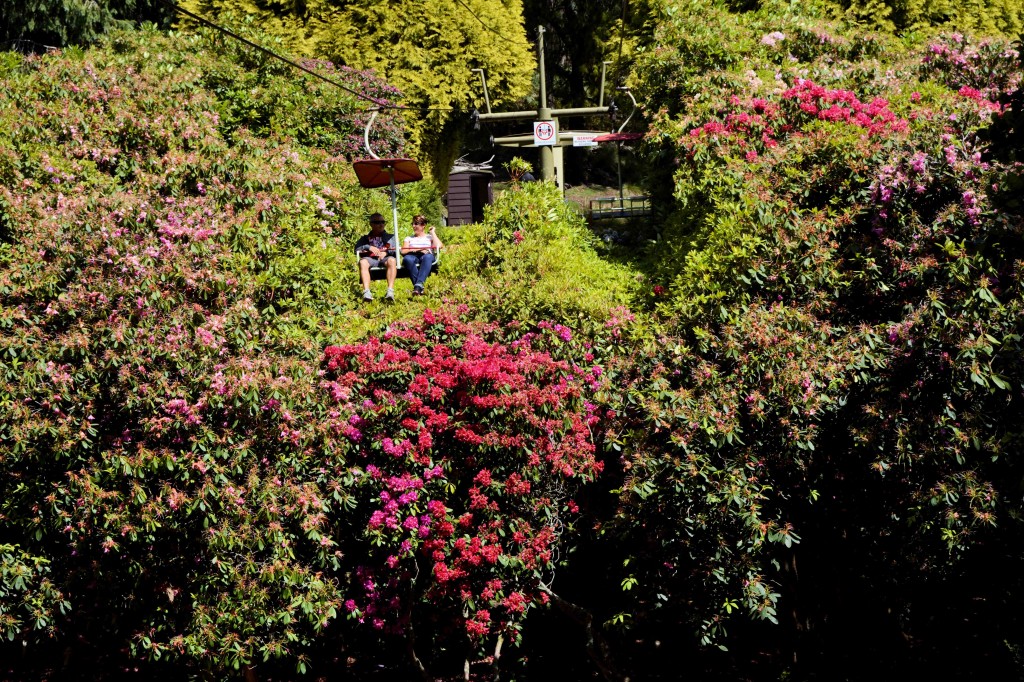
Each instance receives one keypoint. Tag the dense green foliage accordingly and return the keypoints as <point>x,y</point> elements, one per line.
<point>832,399</point>
<point>533,259</point>
<point>28,599</point>
<point>983,16</point>
<point>35,24</point>
<point>799,445</point>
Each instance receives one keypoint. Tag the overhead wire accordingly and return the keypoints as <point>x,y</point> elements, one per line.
<point>378,104</point>
<point>271,53</point>
<point>622,30</point>
<point>492,30</point>
<point>15,44</point>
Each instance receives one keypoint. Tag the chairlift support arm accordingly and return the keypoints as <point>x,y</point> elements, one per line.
<point>604,68</point>
<point>366,134</point>
<point>483,81</point>
<point>520,115</point>
<point>628,92</point>
<point>542,113</point>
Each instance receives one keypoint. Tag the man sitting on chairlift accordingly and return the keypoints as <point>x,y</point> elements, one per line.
<point>373,251</point>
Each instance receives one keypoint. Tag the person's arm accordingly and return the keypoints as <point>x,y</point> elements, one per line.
<point>435,240</point>
<point>362,247</point>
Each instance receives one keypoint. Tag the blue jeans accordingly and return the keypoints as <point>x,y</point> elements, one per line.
<point>418,266</point>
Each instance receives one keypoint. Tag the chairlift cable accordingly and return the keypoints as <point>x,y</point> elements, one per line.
<point>378,105</point>
<point>210,24</point>
<point>492,30</point>
<point>618,60</point>
<point>13,44</point>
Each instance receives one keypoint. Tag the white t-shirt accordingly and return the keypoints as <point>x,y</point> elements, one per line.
<point>418,242</point>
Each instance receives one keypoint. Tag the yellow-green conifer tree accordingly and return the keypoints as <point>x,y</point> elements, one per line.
<point>981,16</point>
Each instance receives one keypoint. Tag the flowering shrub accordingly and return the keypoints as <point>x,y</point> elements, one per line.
<point>466,447</point>
<point>142,257</point>
<point>986,66</point>
<point>839,350</point>
<point>757,124</point>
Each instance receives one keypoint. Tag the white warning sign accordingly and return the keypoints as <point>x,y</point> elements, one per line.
<point>584,139</point>
<point>544,133</point>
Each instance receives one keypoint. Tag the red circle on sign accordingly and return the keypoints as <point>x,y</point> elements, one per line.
<point>545,131</point>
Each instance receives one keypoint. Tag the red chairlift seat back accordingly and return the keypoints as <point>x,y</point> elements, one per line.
<point>618,137</point>
<point>378,172</point>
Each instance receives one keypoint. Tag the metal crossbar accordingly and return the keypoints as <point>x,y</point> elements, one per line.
<point>619,207</point>
<point>380,272</point>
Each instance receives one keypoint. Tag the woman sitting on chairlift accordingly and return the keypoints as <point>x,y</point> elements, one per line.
<point>418,253</point>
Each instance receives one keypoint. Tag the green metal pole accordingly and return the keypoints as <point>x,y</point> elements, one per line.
<point>394,205</point>
<point>618,164</point>
<point>547,154</point>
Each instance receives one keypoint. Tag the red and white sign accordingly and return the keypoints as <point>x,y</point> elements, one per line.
<point>544,133</point>
<point>584,139</point>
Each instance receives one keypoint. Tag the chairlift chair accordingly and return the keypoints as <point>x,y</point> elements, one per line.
<point>377,172</point>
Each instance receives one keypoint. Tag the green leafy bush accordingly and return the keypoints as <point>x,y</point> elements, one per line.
<point>536,260</point>
<point>830,397</point>
<point>29,601</point>
<point>149,255</point>
<point>186,476</point>
<point>34,25</point>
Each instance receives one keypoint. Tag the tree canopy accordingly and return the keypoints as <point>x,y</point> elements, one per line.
<point>35,24</point>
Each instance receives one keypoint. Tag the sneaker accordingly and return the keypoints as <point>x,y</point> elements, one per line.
<point>417,290</point>
<point>390,295</point>
<point>367,295</point>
